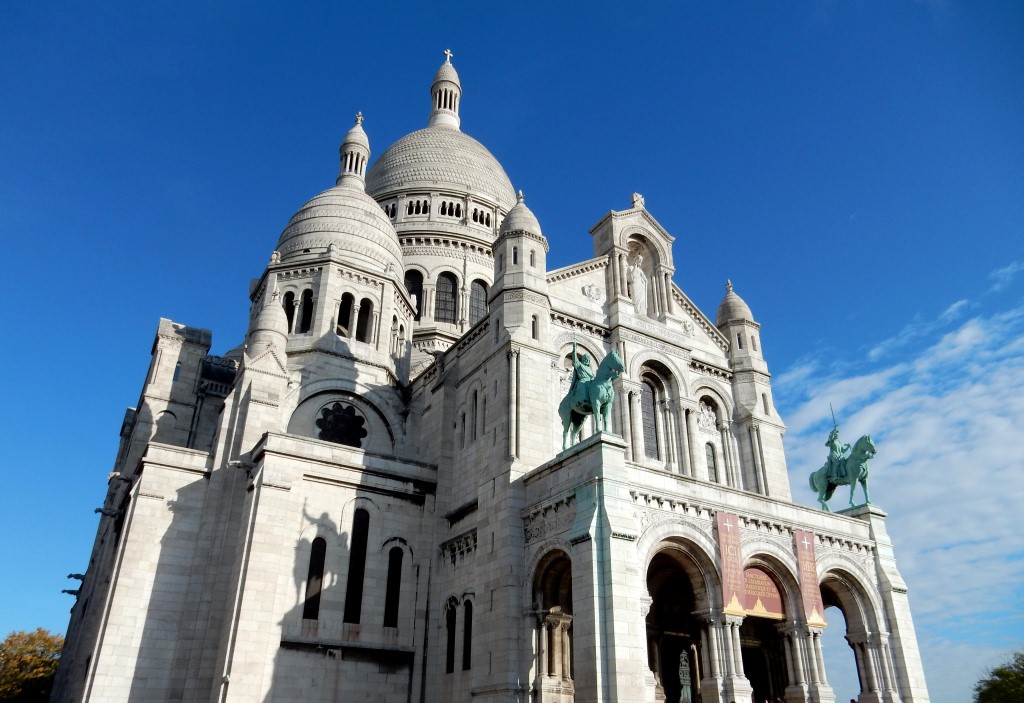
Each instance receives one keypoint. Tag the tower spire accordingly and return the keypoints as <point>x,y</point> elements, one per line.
<point>445,95</point>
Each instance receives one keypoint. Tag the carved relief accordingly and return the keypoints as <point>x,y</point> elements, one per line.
<point>706,420</point>
<point>592,292</point>
<point>550,520</point>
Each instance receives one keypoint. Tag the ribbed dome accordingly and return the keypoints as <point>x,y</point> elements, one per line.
<point>440,157</point>
<point>732,307</point>
<point>520,217</point>
<point>351,220</point>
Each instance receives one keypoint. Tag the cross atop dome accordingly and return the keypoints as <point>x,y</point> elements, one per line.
<point>359,118</point>
<point>448,55</point>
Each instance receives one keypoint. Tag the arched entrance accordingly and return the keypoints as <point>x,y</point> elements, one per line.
<point>869,642</point>
<point>552,598</point>
<point>762,644</point>
<point>673,633</point>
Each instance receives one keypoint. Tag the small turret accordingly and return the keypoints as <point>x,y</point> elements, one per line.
<point>355,153</point>
<point>736,322</point>
<point>520,251</point>
<point>445,94</point>
<point>270,328</point>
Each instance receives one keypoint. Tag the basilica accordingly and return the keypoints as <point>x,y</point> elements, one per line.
<point>377,497</point>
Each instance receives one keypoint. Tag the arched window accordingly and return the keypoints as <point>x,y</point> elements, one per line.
<point>307,311</point>
<point>533,258</point>
<point>764,402</point>
<point>648,408</point>
<point>414,284</point>
<point>314,579</point>
<point>449,621</point>
<point>753,342</point>
<point>356,566</point>
<point>515,255</point>
<point>393,587</point>
<point>444,207</point>
<point>474,415</point>
<point>533,326</point>
<point>445,298</point>
<point>289,308</point>
<point>477,301</point>
<point>739,340</point>
<point>467,636</point>
<point>344,327</point>
<point>458,210</point>
<point>712,462</point>
<point>363,324</point>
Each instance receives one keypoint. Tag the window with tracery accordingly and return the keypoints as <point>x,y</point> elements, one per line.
<point>648,408</point>
<point>477,301</point>
<point>445,298</point>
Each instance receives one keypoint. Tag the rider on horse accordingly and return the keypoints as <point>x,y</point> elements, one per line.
<point>581,370</point>
<point>836,454</point>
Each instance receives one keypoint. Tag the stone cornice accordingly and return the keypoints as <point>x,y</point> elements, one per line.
<point>579,269</point>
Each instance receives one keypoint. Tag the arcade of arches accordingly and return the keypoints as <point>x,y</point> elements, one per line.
<point>699,651</point>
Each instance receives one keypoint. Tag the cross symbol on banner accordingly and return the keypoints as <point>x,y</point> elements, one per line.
<point>728,525</point>
<point>806,542</point>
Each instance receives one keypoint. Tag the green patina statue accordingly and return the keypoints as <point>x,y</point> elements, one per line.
<point>841,469</point>
<point>589,394</point>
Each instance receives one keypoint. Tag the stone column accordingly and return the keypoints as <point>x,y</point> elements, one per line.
<point>542,648</point>
<point>736,686</point>
<point>513,399</point>
<point>727,467</point>
<point>752,434</point>
<point>295,315</point>
<point>689,427</point>
<point>623,268</point>
<point>636,430</point>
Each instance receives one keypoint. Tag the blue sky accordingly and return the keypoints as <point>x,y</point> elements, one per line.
<point>856,168</point>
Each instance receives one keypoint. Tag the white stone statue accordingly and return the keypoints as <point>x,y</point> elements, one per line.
<point>638,283</point>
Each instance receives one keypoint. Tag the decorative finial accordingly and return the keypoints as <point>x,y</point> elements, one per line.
<point>519,197</point>
<point>448,55</point>
<point>638,200</point>
<point>359,118</point>
<point>728,286</point>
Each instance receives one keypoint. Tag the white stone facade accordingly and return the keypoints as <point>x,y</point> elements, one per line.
<point>368,499</point>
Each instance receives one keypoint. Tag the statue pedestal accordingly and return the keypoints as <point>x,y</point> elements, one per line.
<point>864,512</point>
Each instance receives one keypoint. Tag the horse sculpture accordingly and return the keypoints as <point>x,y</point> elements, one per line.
<point>593,397</point>
<point>850,471</point>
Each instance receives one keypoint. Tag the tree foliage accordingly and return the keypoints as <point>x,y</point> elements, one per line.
<point>28,663</point>
<point>1004,684</point>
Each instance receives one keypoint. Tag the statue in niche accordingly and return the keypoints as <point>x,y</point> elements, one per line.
<point>638,286</point>
<point>340,424</point>
<point>685,685</point>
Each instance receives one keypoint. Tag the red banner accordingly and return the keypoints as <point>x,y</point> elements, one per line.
<point>814,610</point>
<point>732,566</point>
<point>761,597</point>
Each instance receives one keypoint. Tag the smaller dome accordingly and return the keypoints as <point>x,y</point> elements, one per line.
<point>349,220</point>
<point>520,218</point>
<point>732,307</point>
<point>448,73</point>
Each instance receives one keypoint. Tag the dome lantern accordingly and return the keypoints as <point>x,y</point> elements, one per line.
<point>445,95</point>
<point>355,153</point>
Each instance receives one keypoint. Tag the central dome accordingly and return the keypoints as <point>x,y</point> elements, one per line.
<point>440,158</point>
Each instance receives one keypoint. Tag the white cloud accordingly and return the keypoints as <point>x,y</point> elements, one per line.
<point>947,419</point>
<point>1001,278</point>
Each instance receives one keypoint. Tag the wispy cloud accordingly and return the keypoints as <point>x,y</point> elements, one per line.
<point>1002,278</point>
<point>917,330</point>
<point>947,420</point>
